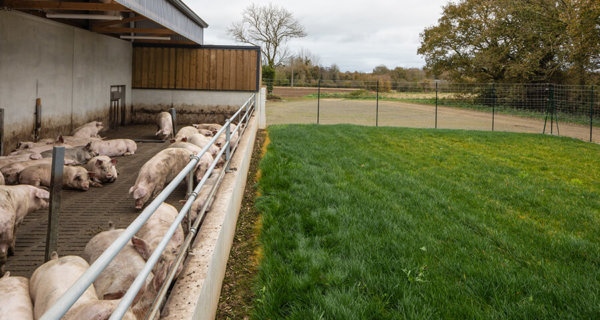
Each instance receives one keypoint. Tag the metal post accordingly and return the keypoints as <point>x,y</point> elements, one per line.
<point>228,139</point>
<point>190,189</point>
<point>174,119</point>
<point>38,119</point>
<point>493,104</point>
<point>591,112</point>
<point>319,101</point>
<point>58,159</point>
<point>1,131</point>
<point>436,103</point>
<point>551,109</point>
<point>377,108</point>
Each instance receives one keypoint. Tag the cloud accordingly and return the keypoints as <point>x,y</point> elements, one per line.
<point>355,35</point>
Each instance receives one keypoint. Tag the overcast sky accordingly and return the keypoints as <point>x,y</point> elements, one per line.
<point>357,35</point>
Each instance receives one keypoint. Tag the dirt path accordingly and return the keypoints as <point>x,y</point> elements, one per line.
<point>401,114</point>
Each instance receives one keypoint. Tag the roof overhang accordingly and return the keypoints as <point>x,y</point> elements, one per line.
<point>145,21</point>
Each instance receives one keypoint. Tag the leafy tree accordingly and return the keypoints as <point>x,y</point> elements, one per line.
<point>514,40</point>
<point>269,27</point>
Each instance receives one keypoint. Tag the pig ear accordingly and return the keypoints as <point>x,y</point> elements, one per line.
<point>88,146</point>
<point>54,255</point>
<point>113,161</point>
<point>98,163</point>
<point>42,194</point>
<point>91,174</point>
<point>141,247</point>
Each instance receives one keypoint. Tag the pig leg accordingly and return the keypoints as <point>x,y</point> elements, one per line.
<point>11,248</point>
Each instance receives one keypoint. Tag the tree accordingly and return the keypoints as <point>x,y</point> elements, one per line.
<point>514,40</point>
<point>269,27</point>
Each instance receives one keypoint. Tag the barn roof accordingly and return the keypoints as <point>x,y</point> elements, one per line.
<point>142,21</point>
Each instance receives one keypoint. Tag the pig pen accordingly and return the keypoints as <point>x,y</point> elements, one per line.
<point>84,214</point>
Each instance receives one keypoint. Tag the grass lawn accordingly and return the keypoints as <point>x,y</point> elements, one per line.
<point>392,223</point>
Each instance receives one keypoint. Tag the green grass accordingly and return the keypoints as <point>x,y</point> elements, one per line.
<point>392,223</point>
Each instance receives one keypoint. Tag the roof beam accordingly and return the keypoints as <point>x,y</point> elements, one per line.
<point>59,5</point>
<point>125,20</point>
<point>133,30</point>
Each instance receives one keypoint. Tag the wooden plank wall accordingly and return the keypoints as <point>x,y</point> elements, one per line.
<point>227,69</point>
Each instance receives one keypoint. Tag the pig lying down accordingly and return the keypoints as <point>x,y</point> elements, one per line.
<point>15,203</point>
<point>113,148</point>
<point>73,177</point>
<point>88,130</point>
<point>103,169</point>
<point>79,155</point>
<point>14,294</point>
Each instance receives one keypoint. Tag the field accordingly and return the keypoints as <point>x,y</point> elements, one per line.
<point>406,114</point>
<point>391,223</point>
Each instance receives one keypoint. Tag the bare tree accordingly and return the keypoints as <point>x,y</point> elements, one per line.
<point>269,27</point>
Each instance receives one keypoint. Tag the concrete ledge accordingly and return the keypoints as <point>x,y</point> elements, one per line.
<point>197,290</point>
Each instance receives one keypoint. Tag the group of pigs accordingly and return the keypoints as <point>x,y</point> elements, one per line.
<point>26,172</point>
<point>30,299</point>
<point>24,298</point>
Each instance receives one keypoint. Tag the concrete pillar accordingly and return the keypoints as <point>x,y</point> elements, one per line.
<point>261,98</point>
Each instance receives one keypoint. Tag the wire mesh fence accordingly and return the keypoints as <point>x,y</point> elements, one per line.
<point>543,108</point>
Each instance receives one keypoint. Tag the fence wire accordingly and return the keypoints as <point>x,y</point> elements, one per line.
<point>544,108</point>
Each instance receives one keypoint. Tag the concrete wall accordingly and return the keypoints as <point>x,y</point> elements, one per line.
<point>70,69</point>
<point>192,106</point>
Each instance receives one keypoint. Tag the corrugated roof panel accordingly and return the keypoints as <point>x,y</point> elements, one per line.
<point>171,14</point>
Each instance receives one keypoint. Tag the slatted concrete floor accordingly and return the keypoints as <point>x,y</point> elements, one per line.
<point>84,214</point>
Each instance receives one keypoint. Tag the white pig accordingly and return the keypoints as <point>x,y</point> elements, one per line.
<point>11,171</point>
<point>118,276</point>
<point>52,279</point>
<point>75,141</point>
<point>103,168</point>
<point>185,133</point>
<point>165,125</point>
<point>201,141</point>
<point>88,130</point>
<point>6,160</point>
<point>74,177</point>
<point>114,148</point>
<point>213,127</point>
<point>15,203</point>
<point>14,294</point>
<point>204,162</point>
<point>157,172</point>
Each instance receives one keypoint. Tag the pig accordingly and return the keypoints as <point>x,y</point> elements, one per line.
<point>79,155</point>
<point>185,133</point>
<point>88,130</point>
<point>74,177</point>
<point>157,172</point>
<point>11,171</point>
<point>52,279</point>
<point>202,141</point>
<point>6,160</point>
<point>113,148</point>
<point>152,232</point>
<point>103,168</point>
<point>213,127</point>
<point>2,182</point>
<point>22,145</point>
<point>165,125</point>
<point>203,164</point>
<point>222,139</point>
<point>14,294</point>
<point>75,141</point>
<point>118,276</point>
<point>15,203</point>
<point>203,197</point>
<point>206,132</point>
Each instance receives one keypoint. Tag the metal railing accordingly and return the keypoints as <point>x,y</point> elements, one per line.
<point>65,302</point>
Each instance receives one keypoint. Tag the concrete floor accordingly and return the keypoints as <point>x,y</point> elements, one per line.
<point>84,214</point>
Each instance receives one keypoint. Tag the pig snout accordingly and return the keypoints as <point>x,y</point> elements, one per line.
<point>139,203</point>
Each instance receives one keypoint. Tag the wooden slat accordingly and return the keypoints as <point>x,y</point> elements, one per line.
<point>219,84</point>
<point>193,66</point>
<point>67,6</point>
<point>172,67</point>
<point>206,73</point>
<point>226,71</point>
<point>200,69</point>
<point>239,71</point>
<point>151,69</point>
<point>165,68</point>
<point>212,84</point>
<point>252,70</point>
<point>232,70</point>
<point>137,68</point>
<point>179,72</point>
<point>186,68</point>
<point>144,58</point>
<point>158,67</point>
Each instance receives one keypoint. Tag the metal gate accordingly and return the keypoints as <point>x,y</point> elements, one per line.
<point>117,109</point>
